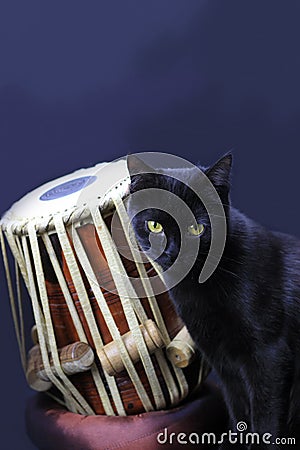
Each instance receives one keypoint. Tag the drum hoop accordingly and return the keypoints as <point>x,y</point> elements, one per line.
<point>73,215</point>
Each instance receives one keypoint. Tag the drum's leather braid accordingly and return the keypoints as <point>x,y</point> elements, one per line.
<point>77,401</point>
<point>128,299</point>
<point>84,261</point>
<point>84,300</point>
<point>39,320</point>
<point>12,301</point>
<point>183,385</point>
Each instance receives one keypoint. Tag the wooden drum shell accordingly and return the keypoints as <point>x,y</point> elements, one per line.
<point>65,331</point>
<point>18,225</point>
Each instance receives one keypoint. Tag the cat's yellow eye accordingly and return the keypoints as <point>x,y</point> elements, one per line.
<point>196,230</point>
<point>154,227</point>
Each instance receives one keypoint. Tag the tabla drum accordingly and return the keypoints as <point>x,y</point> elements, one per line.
<point>99,346</point>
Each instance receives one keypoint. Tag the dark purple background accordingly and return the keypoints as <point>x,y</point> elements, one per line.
<point>83,82</point>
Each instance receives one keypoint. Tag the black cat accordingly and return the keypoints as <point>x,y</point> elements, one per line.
<point>245,319</point>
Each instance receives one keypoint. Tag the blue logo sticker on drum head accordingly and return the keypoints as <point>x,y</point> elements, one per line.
<point>67,188</point>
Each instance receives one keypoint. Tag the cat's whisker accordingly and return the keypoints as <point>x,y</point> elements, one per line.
<point>227,258</point>
<point>221,286</point>
<point>236,261</point>
<point>215,215</point>
<point>230,272</point>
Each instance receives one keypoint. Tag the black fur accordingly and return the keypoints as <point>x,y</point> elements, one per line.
<point>245,318</point>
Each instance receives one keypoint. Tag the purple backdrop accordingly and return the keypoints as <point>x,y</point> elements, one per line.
<point>83,82</point>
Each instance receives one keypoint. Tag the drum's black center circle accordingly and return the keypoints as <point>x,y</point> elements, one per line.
<point>67,188</point>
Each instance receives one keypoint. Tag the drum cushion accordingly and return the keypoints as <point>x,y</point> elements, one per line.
<point>51,427</point>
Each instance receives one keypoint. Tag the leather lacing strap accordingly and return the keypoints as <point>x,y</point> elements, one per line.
<point>85,304</point>
<point>19,334</point>
<point>131,241</point>
<point>61,381</point>
<point>115,266</point>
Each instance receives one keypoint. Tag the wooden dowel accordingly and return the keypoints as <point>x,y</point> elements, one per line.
<point>110,357</point>
<point>74,358</point>
<point>34,335</point>
<point>181,351</point>
<point>31,372</point>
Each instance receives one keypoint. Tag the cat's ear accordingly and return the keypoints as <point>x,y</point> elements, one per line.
<point>219,174</point>
<point>139,172</point>
<point>136,165</point>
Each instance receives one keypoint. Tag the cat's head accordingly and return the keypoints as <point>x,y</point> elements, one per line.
<point>168,216</point>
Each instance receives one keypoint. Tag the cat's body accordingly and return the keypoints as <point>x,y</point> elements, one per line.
<point>245,318</point>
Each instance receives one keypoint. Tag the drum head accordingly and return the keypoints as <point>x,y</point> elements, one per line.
<point>68,193</point>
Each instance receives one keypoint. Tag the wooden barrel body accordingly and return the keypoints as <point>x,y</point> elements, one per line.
<point>44,261</point>
<point>66,333</point>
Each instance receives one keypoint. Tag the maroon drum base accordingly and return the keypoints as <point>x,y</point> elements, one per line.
<point>51,427</point>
